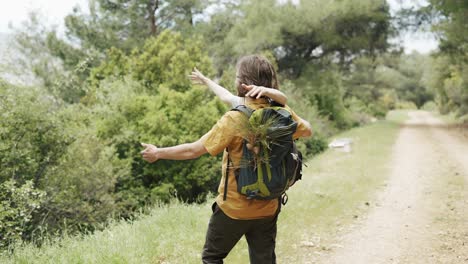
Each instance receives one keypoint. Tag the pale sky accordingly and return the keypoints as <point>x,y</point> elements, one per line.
<point>15,11</point>
<point>422,42</point>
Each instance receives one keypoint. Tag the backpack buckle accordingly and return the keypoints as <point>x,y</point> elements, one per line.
<point>284,199</point>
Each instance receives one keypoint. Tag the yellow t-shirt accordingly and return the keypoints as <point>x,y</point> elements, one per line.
<point>226,133</point>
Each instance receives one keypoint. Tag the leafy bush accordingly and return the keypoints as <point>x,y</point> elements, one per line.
<point>168,118</point>
<point>430,106</point>
<point>146,97</point>
<point>32,139</point>
<point>168,59</point>
<point>81,188</point>
<point>406,105</point>
<point>324,90</point>
<point>17,206</point>
<point>321,127</point>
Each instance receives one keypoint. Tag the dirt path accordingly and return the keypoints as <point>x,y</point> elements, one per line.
<point>422,215</point>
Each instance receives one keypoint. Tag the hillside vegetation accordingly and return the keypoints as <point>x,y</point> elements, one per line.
<point>336,185</point>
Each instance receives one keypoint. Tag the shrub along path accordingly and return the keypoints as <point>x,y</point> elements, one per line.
<point>422,214</point>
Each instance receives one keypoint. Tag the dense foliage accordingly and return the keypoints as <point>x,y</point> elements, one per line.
<point>70,138</point>
<point>451,82</point>
<point>449,72</point>
<point>85,156</point>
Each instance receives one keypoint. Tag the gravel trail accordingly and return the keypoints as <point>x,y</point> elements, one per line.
<point>422,214</point>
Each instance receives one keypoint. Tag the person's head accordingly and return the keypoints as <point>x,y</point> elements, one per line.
<point>255,70</point>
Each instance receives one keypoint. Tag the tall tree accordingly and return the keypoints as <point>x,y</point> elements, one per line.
<point>63,63</point>
<point>450,76</point>
<point>452,28</point>
<point>299,34</point>
<point>125,24</point>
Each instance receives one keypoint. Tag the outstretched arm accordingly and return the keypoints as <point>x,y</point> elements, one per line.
<point>186,151</point>
<point>223,94</point>
<point>227,97</point>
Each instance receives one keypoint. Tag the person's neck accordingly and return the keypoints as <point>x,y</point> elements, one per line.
<point>248,99</point>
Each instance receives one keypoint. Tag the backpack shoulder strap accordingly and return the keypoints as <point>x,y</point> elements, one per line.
<point>247,112</point>
<point>226,175</point>
<point>243,109</point>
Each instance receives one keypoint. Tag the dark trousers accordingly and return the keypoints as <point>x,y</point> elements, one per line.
<point>224,232</point>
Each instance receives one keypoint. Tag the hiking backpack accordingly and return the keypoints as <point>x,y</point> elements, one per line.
<point>270,162</point>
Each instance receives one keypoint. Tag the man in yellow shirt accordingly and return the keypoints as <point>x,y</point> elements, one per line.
<point>234,215</point>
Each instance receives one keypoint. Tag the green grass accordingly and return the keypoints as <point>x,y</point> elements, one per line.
<point>334,189</point>
<point>172,233</point>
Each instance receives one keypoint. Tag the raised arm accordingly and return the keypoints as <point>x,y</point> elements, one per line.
<point>223,94</point>
<point>259,91</point>
<point>227,97</point>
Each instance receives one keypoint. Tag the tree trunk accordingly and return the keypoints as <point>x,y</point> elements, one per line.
<point>189,14</point>
<point>152,8</point>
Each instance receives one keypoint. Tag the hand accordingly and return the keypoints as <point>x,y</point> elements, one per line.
<point>197,77</point>
<point>255,91</point>
<point>150,153</point>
